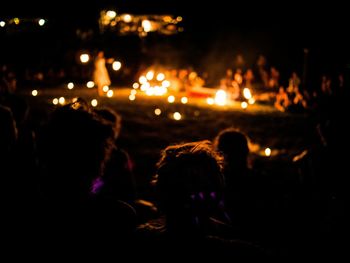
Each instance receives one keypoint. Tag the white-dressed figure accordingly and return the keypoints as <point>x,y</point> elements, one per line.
<point>100,76</point>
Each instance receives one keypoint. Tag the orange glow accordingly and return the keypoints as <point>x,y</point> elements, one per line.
<point>145,86</point>
<point>150,92</point>
<point>220,97</point>
<point>167,19</point>
<point>251,101</point>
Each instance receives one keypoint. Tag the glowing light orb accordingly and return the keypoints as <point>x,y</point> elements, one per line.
<point>251,101</point>
<point>110,94</point>
<point>111,14</point>
<point>160,77</point>
<point>267,151</point>
<point>184,100</point>
<point>171,99</point>
<point>90,84</point>
<point>157,112</point>
<point>62,100</point>
<point>70,85</point>
<point>166,83</point>
<point>84,58</point>
<point>105,88</point>
<point>147,26</point>
<point>41,22</point>
<point>244,105</point>
<point>247,94</point>
<point>220,97</point>
<point>210,101</point>
<point>127,18</point>
<point>177,116</point>
<point>116,65</point>
<point>143,80</point>
<point>150,75</point>
<point>94,102</point>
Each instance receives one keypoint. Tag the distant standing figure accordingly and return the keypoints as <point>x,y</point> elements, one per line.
<point>100,76</point>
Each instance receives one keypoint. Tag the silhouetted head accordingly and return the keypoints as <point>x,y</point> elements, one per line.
<point>233,144</point>
<point>189,182</point>
<point>75,146</point>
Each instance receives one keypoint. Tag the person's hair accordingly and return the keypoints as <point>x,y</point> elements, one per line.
<point>111,116</point>
<point>75,145</point>
<point>189,173</point>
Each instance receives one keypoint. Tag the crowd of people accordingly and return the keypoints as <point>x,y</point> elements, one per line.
<point>267,84</point>
<point>69,180</point>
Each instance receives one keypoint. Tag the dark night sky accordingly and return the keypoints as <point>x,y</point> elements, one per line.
<point>298,17</point>
<point>262,12</point>
<point>280,29</point>
<point>314,24</point>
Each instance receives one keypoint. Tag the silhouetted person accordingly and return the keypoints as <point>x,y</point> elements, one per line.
<point>118,178</point>
<point>189,186</point>
<point>243,185</point>
<point>23,168</point>
<point>8,140</point>
<point>75,146</point>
